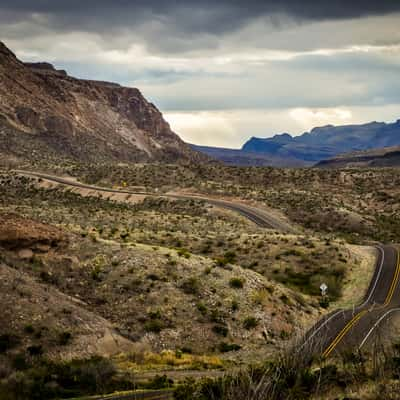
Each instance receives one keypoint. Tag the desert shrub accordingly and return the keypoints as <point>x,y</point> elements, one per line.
<point>184,253</point>
<point>224,347</point>
<point>191,286</point>
<point>202,308</point>
<point>236,283</point>
<point>250,323</point>
<point>20,362</point>
<point>186,391</point>
<point>159,382</point>
<point>324,302</point>
<point>216,316</point>
<point>48,380</point>
<point>156,314</point>
<point>64,338</point>
<point>35,350</point>
<point>259,296</point>
<point>153,277</point>
<point>7,342</point>
<point>154,325</point>
<point>29,329</point>
<point>221,330</point>
<point>235,305</point>
<point>228,258</point>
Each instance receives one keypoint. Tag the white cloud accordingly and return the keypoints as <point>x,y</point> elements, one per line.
<point>207,128</point>
<point>233,127</point>
<point>306,117</point>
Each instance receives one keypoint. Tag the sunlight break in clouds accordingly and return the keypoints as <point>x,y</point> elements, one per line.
<point>232,128</point>
<point>320,117</point>
<point>212,129</point>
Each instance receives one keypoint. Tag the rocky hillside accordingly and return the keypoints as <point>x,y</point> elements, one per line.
<point>386,157</point>
<point>46,113</point>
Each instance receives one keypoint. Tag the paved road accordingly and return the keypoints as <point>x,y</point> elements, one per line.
<point>354,328</point>
<point>258,216</point>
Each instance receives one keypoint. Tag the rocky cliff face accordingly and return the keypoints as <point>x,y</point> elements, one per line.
<point>45,110</point>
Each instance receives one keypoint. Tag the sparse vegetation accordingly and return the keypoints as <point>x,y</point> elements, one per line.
<point>149,266</point>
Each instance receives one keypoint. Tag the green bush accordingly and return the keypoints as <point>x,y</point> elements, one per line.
<point>154,325</point>
<point>19,362</point>
<point>35,350</point>
<point>236,283</point>
<point>324,302</point>
<point>49,380</point>
<point>226,347</point>
<point>202,308</point>
<point>7,342</point>
<point>159,382</point>
<point>64,338</point>
<point>190,286</point>
<point>250,323</point>
<point>220,330</point>
<point>29,329</point>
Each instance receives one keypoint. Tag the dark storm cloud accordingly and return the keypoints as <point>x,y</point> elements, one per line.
<point>301,8</point>
<point>204,16</point>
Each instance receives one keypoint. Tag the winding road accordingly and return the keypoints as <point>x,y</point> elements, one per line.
<point>354,328</point>
<point>341,329</point>
<point>260,217</point>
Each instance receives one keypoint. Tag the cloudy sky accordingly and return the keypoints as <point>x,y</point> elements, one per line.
<point>223,71</point>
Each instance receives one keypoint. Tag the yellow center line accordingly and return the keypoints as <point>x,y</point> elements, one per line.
<point>394,283</point>
<point>343,332</point>
<point>358,316</point>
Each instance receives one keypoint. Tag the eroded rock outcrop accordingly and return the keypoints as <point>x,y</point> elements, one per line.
<point>81,119</point>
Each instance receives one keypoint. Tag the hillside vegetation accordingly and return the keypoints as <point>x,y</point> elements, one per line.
<point>151,285</point>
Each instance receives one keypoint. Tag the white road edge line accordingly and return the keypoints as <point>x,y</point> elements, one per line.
<point>377,277</point>
<point>375,326</point>
<point>362,305</point>
<point>317,330</point>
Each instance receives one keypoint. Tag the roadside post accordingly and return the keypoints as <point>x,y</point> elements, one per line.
<point>324,302</point>
<point>324,288</point>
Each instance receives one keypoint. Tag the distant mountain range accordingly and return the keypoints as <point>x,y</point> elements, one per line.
<point>311,147</point>
<point>384,157</point>
<point>248,158</point>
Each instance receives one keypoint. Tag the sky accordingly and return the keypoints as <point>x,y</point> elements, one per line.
<point>224,71</point>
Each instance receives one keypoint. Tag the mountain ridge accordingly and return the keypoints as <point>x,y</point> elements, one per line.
<point>382,157</point>
<point>46,110</point>
<point>320,143</point>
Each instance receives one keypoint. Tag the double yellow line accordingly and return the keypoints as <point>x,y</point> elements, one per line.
<point>343,332</point>
<point>358,316</point>
<point>394,283</point>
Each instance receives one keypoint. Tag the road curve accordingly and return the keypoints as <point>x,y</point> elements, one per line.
<point>353,328</point>
<point>260,217</point>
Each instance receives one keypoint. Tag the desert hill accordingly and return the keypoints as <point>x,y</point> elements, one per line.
<point>46,113</point>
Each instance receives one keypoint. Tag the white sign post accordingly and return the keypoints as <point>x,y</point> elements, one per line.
<point>323,288</point>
